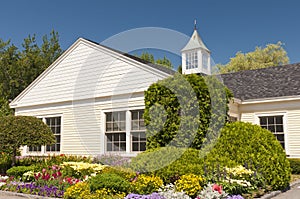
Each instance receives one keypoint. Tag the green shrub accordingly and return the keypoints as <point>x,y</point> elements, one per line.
<point>242,143</point>
<point>295,165</point>
<point>5,162</point>
<point>19,171</point>
<point>126,173</point>
<point>17,131</point>
<point>147,184</point>
<point>110,181</point>
<point>168,162</point>
<point>193,104</point>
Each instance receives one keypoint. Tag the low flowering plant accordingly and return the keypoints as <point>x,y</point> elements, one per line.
<point>150,196</point>
<point>235,197</point>
<point>169,192</point>
<point>212,191</point>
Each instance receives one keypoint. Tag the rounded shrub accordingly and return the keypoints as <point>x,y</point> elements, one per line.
<point>19,171</point>
<point>126,173</point>
<point>144,184</point>
<point>110,181</point>
<point>247,144</point>
<point>168,162</point>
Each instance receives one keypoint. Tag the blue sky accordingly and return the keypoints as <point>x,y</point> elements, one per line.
<point>225,26</point>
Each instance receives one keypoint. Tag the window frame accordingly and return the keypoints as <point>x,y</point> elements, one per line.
<point>284,122</point>
<point>129,150</point>
<point>113,132</point>
<point>139,130</point>
<point>191,60</point>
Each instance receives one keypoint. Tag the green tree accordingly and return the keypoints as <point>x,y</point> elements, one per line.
<point>150,58</point>
<point>271,55</point>
<point>18,68</point>
<point>147,57</point>
<point>185,110</point>
<point>164,62</point>
<point>17,131</point>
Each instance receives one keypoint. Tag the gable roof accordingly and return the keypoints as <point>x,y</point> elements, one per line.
<point>61,74</point>
<point>278,81</point>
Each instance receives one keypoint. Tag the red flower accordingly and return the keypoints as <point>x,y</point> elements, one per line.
<point>59,173</point>
<point>217,188</point>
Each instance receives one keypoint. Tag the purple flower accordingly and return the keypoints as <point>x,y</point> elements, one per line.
<point>235,197</point>
<point>150,196</point>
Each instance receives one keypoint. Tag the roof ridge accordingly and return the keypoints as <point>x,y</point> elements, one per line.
<point>153,65</point>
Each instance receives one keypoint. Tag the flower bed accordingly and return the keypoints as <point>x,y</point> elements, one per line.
<point>77,179</point>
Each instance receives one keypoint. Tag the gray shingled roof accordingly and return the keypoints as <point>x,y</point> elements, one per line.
<point>278,81</point>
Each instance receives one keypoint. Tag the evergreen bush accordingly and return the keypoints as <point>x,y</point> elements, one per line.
<point>247,144</point>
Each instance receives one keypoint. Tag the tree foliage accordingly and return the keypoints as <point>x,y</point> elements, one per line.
<point>17,131</point>
<point>185,111</point>
<point>271,55</point>
<point>150,58</point>
<point>19,67</point>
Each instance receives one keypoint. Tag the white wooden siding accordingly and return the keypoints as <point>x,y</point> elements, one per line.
<point>291,110</point>
<point>89,73</point>
<point>293,128</point>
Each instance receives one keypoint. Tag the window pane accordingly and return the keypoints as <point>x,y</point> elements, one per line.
<point>135,125</point>
<point>143,136</point>
<point>134,115</point>
<point>116,138</point>
<point>135,146</point>
<point>143,146</point>
<point>109,147</point>
<point>271,120</point>
<point>263,121</point>
<point>109,127</point>
<point>122,126</point>
<point>279,128</point>
<point>122,116</point>
<point>108,117</point>
<point>123,147</point>
<point>116,128</point>
<point>279,119</point>
<point>109,137</point>
<point>135,137</point>
<point>123,137</point>
<point>271,128</point>
<point>142,125</point>
<point>280,137</point>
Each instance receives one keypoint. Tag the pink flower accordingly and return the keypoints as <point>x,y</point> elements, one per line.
<point>59,173</point>
<point>44,170</point>
<point>217,188</point>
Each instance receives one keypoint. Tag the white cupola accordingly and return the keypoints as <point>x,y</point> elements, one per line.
<point>195,56</point>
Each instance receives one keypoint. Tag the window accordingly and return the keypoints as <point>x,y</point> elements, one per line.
<point>191,60</point>
<point>55,125</point>
<point>138,135</point>
<point>35,148</point>
<point>275,125</point>
<point>116,131</point>
<point>205,61</point>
